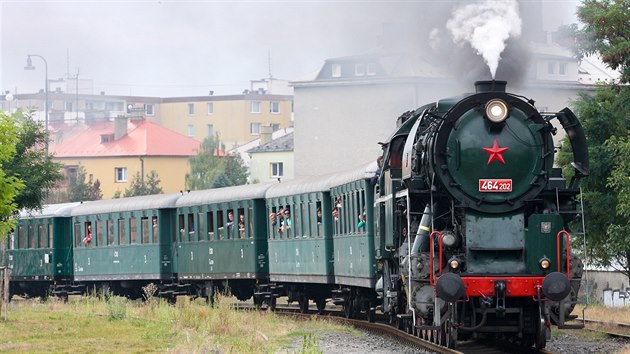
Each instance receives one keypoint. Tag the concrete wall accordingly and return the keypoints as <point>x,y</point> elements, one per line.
<point>607,287</point>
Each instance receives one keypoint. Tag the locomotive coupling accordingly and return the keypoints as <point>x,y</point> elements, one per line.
<point>556,286</point>
<point>450,287</point>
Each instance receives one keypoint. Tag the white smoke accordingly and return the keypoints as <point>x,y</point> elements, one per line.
<point>486,25</point>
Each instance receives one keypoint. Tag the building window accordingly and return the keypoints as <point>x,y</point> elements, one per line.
<point>551,68</point>
<point>210,130</point>
<point>121,174</point>
<point>210,108</point>
<point>149,109</point>
<point>336,70</point>
<point>359,69</point>
<point>191,130</point>
<point>562,69</point>
<point>69,107</point>
<point>371,69</point>
<point>254,128</point>
<point>114,106</point>
<point>191,109</point>
<point>275,127</point>
<point>274,107</point>
<point>71,172</point>
<point>255,107</point>
<point>276,169</point>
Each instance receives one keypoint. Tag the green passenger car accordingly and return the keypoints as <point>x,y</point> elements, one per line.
<point>352,197</point>
<point>122,244</point>
<point>39,252</point>
<point>300,241</point>
<point>221,240</point>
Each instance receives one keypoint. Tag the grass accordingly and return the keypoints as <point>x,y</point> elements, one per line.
<point>602,313</point>
<point>114,324</point>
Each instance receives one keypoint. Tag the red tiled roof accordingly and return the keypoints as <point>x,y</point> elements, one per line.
<point>143,138</point>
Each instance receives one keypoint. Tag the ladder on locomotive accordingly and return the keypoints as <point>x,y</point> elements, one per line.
<point>560,317</point>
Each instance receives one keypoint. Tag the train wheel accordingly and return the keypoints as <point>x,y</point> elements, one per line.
<point>541,330</point>
<point>448,335</point>
<point>391,318</point>
<point>257,302</point>
<point>272,303</point>
<point>303,303</point>
<point>370,313</point>
<point>321,305</point>
<point>209,293</point>
<point>348,309</point>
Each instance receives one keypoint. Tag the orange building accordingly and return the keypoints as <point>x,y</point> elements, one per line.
<point>114,151</point>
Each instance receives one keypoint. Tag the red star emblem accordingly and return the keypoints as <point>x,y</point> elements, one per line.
<point>495,152</point>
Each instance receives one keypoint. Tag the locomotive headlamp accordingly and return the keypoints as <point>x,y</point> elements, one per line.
<point>449,238</point>
<point>544,263</point>
<point>496,110</point>
<point>454,263</point>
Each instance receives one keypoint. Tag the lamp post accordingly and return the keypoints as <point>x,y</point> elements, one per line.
<point>29,66</point>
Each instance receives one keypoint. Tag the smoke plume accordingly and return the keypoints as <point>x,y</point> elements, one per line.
<point>486,26</point>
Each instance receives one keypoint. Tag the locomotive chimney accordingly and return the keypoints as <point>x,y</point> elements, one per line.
<point>490,86</point>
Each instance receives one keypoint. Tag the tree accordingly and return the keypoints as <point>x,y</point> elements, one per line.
<point>80,190</point>
<point>236,171</point>
<point>212,168</point>
<point>10,185</point>
<point>221,181</point>
<point>206,165</point>
<point>605,116</point>
<point>32,163</point>
<point>606,32</point>
<point>140,186</point>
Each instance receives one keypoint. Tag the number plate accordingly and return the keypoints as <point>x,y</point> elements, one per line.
<point>495,185</point>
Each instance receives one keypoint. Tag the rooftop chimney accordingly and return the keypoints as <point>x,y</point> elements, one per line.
<point>265,134</point>
<point>120,127</point>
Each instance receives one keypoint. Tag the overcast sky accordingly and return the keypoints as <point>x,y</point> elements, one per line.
<point>180,48</point>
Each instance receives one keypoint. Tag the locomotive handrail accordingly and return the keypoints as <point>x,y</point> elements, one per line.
<point>567,250</point>
<point>431,276</point>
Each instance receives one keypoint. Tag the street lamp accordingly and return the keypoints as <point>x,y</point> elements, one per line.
<point>29,66</point>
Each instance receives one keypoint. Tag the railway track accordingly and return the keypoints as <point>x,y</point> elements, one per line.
<point>611,329</point>
<point>384,330</point>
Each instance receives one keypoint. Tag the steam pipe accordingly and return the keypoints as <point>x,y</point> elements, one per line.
<point>421,241</point>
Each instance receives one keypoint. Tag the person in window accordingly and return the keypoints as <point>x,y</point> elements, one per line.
<point>362,219</point>
<point>287,220</point>
<point>88,235</point>
<point>379,163</point>
<point>272,218</point>
<point>335,214</point>
<point>230,222</point>
<point>319,216</point>
<point>241,225</point>
<point>280,217</point>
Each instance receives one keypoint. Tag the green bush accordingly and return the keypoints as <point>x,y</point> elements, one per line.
<point>116,308</point>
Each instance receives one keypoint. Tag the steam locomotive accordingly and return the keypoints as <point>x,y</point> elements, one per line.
<point>462,231</point>
<point>472,178</point>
